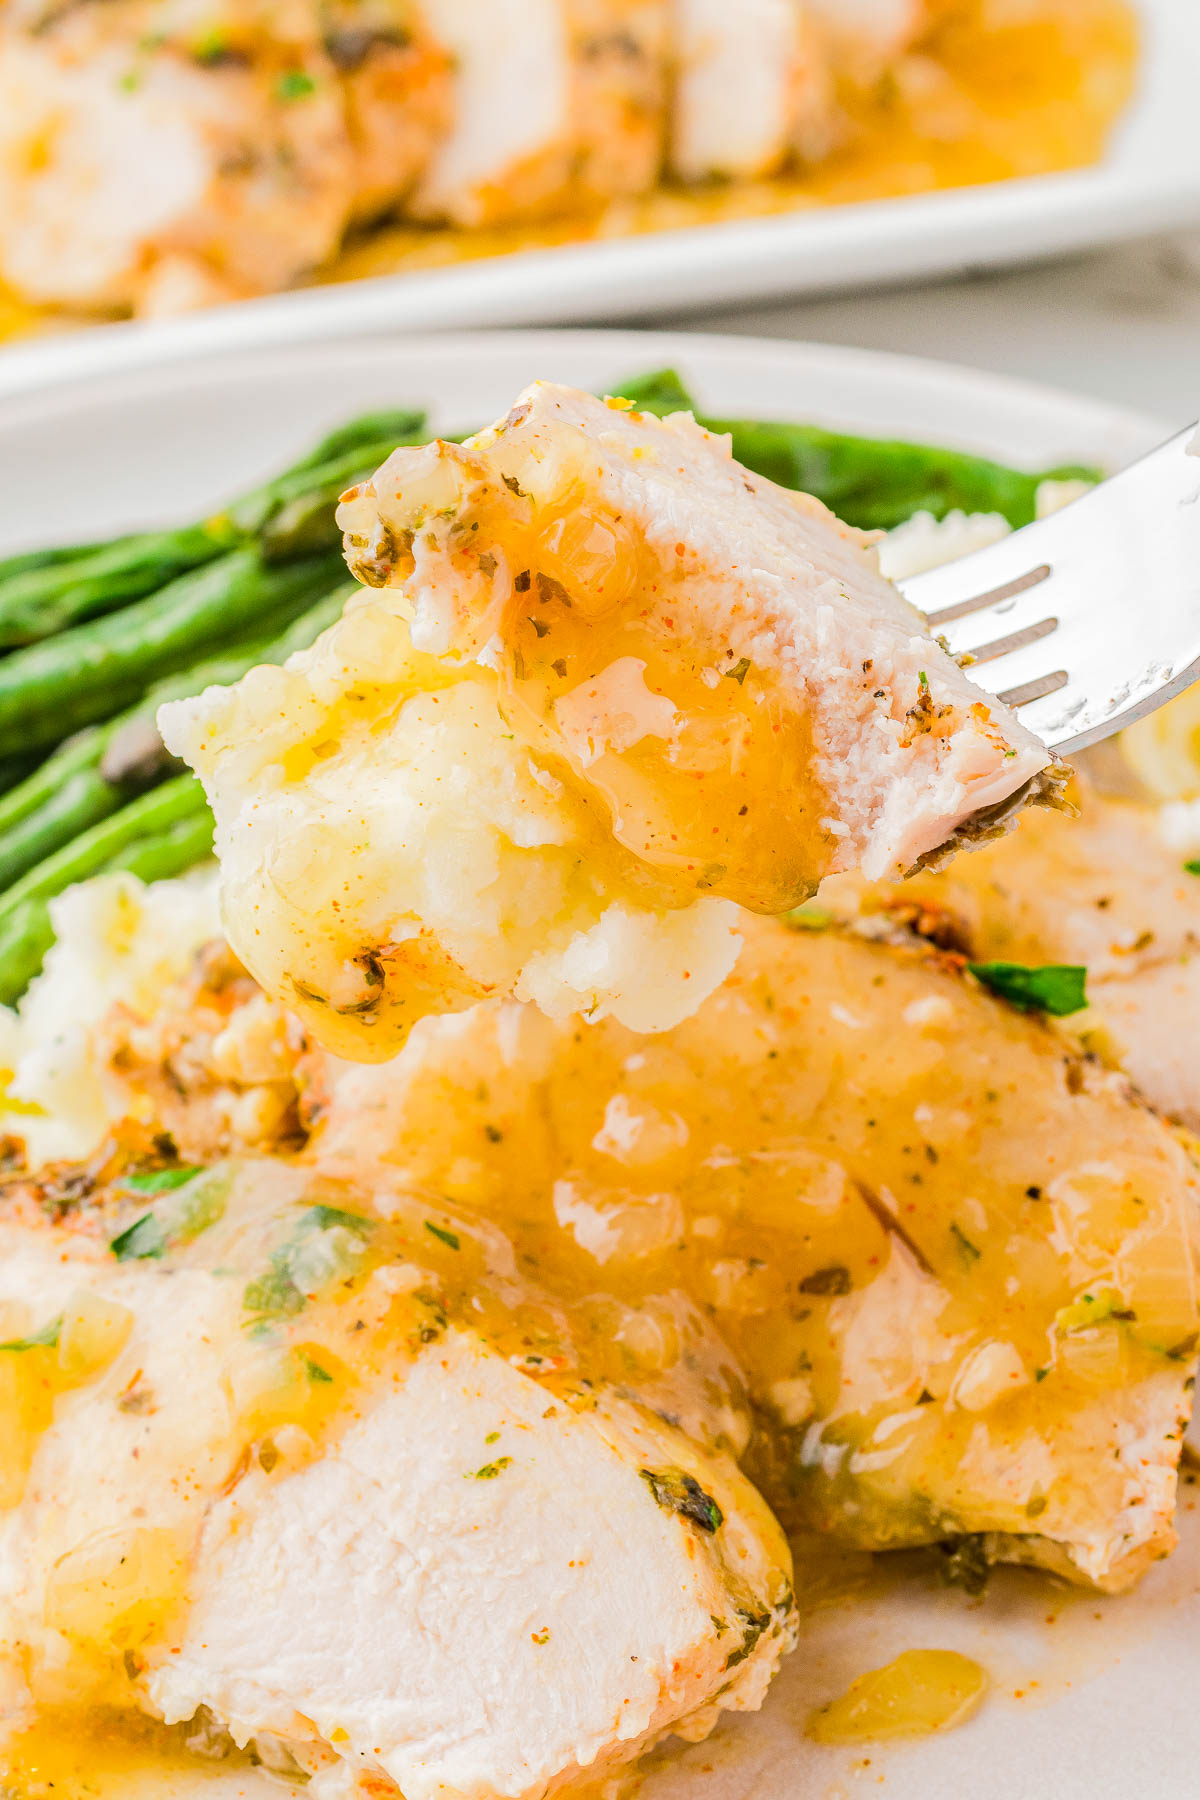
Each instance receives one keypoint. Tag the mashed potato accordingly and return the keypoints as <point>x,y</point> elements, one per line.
<point>119,943</point>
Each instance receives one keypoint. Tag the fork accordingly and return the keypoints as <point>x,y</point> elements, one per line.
<point>1089,619</point>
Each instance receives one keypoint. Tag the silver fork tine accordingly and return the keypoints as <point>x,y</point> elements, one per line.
<point>1091,618</point>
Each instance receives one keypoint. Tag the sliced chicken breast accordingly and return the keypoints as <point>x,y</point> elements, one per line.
<point>558,103</point>
<point>973,1249</point>
<point>954,1260</point>
<point>154,157</point>
<point>335,1482</point>
<point>750,84</point>
<point>1109,891</point>
<point>608,682</point>
<point>866,35</point>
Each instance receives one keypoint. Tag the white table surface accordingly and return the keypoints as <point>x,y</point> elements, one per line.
<point>1120,324</point>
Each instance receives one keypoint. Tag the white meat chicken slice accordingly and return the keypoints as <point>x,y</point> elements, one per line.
<point>1108,891</point>
<point>156,154</point>
<point>558,103</point>
<point>607,682</point>
<point>751,83</point>
<point>331,1479</point>
<point>864,36</point>
<point>954,1261</point>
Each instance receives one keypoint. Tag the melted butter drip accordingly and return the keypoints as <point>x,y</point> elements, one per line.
<point>70,1754</point>
<point>917,1693</point>
<point>1002,90</point>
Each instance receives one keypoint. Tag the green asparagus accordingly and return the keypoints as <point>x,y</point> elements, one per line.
<point>40,602</point>
<point>26,934</point>
<point>874,483</point>
<point>153,815</point>
<point>47,591</point>
<point>50,689</point>
<point>26,931</point>
<point>82,801</point>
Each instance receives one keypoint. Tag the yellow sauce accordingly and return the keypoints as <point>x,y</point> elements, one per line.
<point>1000,89</point>
<point>917,1693</point>
<point>72,1754</point>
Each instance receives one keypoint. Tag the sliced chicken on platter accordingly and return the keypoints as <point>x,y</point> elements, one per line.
<point>311,1463</point>
<point>605,684</point>
<point>160,153</point>
<point>751,83</point>
<point>558,103</point>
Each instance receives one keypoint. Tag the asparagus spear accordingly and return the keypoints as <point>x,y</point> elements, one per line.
<point>43,592</point>
<point>83,800</point>
<point>43,559</point>
<point>155,815</point>
<point>26,932</point>
<point>47,690</point>
<point>39,602</point>
<point>100,769</point>
<point>874,483</point>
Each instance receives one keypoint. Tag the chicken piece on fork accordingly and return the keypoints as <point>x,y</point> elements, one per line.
<point>606,684</point>
<point>309,1462</point>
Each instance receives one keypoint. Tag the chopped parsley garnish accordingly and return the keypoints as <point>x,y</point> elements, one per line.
<point>809,918</point>
<point>295,84</point>
<point>1192,867</point>
<point>144,1238</point>
<point>324,1218</point>
<point>315,1372</point>
<point>324,1246</point>
<point>677,1491</point>
<point>1055,988</point>
<point>447,1237</point>
<point>834,1281</point>
<point>739,671</point>
<point>44,1338</point>
<point>965,1245</point>
<point>160,1181</point>
<point>191,1199</point>
<point>490,1470</point>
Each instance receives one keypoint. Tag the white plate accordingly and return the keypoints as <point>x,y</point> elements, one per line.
<point>1109,1707</point>
<point>1149,182</point>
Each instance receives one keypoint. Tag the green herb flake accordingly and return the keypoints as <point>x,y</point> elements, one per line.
<point>678,1492</point>
<point>446,1237</point>
<point>1055,988</point>
<point>315,1372</point>
<point>294,84</point>
<point>325,1218</point>
<point>143,1239</point>
<point>493,1437</point>
<point>809,918</point>
<point>160,1181</point>
<point>831,1283</point>
<point>970,1250</point>
<point>1192,867</point>
<point>490,1470</point>
<point>44,1338</point>
<point>739,671</point>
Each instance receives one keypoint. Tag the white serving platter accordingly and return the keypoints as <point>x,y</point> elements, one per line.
<point>1107,1705</point>
<point>1149,181</point>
